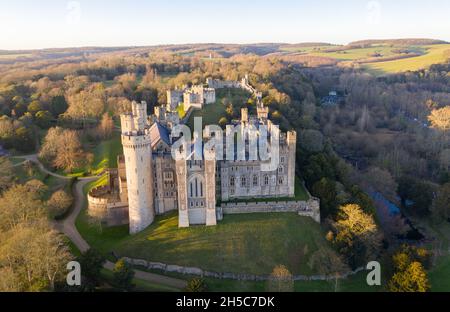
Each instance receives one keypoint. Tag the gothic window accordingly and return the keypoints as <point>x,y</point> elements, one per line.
<point>280,169</point>
<point>282,159</point>
<point>168,176</point>
<point>243,181</point>
<point>191,189</point>
<point>266,180</point>
<point>232,181</point>
<point>255,180</point>
<point>196,188</point>
<point>280,181</point>
<point>201,189</point>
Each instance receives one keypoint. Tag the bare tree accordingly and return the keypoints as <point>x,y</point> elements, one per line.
<point>281,280</point>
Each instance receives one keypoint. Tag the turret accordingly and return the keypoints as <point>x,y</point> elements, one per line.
<point>137,150</point>
<point>262,111</point>
<point>244,115</point>
<point>139,114</point>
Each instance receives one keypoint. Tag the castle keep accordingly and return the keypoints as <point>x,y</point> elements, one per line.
<point>150,181</point>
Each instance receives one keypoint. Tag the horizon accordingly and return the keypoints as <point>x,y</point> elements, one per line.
<point>213,43</point>
<point>53,24</point>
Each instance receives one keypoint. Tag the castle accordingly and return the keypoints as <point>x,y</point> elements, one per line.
<point>150,181</point>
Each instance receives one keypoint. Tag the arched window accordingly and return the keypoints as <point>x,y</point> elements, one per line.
<point>191,189</point>
<point>196,187</point>
<point>266,180</point>
<point>201,189</point>
<point>232,181</point>
<point>243,181</point>
<point>255,180</point>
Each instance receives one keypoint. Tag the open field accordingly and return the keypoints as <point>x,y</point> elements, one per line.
<point>306,49</point>
<point>14,56</point>
<point>428,55</point>
<point>434,54</point>
<point>360,54</point>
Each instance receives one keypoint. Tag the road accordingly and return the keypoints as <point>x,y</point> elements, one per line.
<point>67,226</point>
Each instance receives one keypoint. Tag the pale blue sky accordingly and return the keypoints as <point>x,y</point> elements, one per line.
<point>26,24</point>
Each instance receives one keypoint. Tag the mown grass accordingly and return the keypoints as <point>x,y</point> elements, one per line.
<point>212,113</point>
<point>105,154</point>
<point>105,157</point>
<point>252,243</point>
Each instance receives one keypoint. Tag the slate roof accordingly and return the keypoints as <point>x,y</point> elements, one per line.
<point>159,132</point>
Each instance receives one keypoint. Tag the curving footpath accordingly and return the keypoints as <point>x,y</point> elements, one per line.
<point>67,226</point>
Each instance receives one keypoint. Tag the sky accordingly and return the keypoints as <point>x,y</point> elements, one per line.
<point>27,24</point>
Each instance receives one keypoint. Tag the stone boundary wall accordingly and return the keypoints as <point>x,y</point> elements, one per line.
<point>309,208</point>
<point>228,275</point>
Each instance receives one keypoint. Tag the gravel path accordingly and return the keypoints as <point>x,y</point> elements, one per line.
<point>67,226</point>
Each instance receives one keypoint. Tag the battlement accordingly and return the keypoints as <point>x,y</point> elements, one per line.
<point>136,122</point>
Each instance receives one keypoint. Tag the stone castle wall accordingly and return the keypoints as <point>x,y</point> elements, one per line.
<point>309,208</point>
<point>106,207</point>
<point>148,265</point>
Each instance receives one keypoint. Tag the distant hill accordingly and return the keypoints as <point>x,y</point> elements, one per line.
<point>405,42</point>
<point>308,44</point>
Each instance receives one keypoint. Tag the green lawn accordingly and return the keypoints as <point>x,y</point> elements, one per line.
<point>105,156</point>
<point>440,275</point>
<point>212,113</point>
<point>252,243</point>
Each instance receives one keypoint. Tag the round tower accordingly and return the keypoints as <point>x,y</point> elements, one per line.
<point>137,150</point>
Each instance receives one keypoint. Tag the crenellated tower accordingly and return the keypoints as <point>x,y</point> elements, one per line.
<point>137,150</point>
